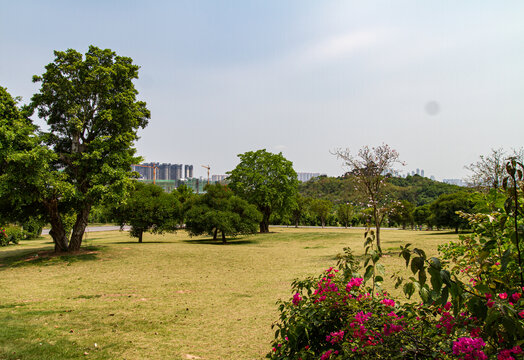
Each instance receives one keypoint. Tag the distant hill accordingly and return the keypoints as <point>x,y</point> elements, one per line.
<point>415,189</point>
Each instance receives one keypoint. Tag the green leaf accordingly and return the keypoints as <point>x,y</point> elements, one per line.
<point>422,277</point>
<point>380,269</point>
<point>369,273</point>
<point>417,264</point>
<point>445,276</point>
<point>406,255</point>
<point>409,289</point>
<point>436,281</point>
<point>435,263</point>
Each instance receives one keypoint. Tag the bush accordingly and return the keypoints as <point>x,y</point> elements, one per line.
<point>472,300</point>
<point>11,235</point>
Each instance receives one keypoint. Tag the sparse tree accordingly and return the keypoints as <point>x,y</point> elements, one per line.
<point>322,209</point>
<point>489,171</point>
<point>345,213</point>
<point>300,208</point>
<point>370,168</point>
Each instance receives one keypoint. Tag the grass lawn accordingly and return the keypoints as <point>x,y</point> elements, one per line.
<point>172,297</point>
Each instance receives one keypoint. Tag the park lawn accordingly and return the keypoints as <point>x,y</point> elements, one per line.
<point>171,297</point>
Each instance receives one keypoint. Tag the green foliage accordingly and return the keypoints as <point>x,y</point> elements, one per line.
<point>422,216</point>
<point>445,208</point>
<point>335,189</point>
<point>89,104</point>
<point>321,208</point>
<point>266,180</point>
<point>11,235</point>
<point>345,213</point>
<point>220,210</point>
<point>148,209</point>
<point>420,190</point>
<point>401,212</point>
<point>300,210</point>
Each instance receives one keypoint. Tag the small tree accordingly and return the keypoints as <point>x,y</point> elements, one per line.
<point>370,168</point>
<point>345,213</point>
<point>220,210</point>
<point>401,212</point>
<point>445,208</point>
<point>422,216</point>
<point>149,209</point>
<point>321,208</point>
<point>300,208</point>
<point>266,180</point>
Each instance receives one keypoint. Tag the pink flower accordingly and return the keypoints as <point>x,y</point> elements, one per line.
<point>296,299</point>
<point>503,296</point>
<point>354,282</point>
<point>447,306</point>
<point>335,337</point>
<point>388,302</point>
<point>521,314</point>
<point>490,303</point>
<point>469,349</point>
<point>516,297</point>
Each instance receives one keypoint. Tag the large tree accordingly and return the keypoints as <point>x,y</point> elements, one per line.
<point>266,180</point>
<point>89,104</point>
<point>370,167</point>
<point>219,210</point>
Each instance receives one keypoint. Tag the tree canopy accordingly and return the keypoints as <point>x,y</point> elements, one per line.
<point>89,103</point>
<point>266,180</point>
<point>220,210</point>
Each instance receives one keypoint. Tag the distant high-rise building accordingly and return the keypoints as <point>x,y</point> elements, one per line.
<point>165,171</point>
<point>422,172</point>
<point>217,178</point>
<point>188,171</point>
<point>418,171</point>
<point>458,182</point>
<point>303,177</point>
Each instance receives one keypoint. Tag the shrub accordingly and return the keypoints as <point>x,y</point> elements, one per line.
<point>11,235</point>
<point>472,299</point>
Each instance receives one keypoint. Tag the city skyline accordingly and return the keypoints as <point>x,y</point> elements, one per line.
<point>439,82</point>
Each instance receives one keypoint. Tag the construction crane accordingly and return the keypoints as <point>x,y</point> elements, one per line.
<point>208,168</point>
<point>154,167</point>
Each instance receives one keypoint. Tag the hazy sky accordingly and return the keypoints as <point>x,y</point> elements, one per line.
<point>442,82</point>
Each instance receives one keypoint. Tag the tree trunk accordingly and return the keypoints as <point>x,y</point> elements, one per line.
<point>377,228</point>
<point>79,228</point>
<point>140,235</point>
<point>456,229</point>
<point>296,223</point>
<point>264,224</point>
<point>215,234</point>
<point>223,237</point>
<point>322,222</point>
<point>57,232</point>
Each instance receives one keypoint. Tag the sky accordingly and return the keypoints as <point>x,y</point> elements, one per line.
<point>442,82</point>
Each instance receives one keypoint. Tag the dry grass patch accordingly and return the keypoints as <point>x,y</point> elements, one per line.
<point>169,298</point>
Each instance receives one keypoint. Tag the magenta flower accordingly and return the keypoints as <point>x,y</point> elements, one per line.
<point>469,349</point>
<point>503,296</point>
<point>296,299</point>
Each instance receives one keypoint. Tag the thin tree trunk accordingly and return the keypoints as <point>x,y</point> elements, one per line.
<point>215,234</point>
<point>377,228</point>
<point>140,236</point>
<point>57,231</point>
<point>79,228</point>
<point>223,237</point>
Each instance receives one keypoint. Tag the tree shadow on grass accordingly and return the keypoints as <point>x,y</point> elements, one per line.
<point>231,241</point>
<point>46,257</point>
<point>144,242</point>
<point>452,232</point>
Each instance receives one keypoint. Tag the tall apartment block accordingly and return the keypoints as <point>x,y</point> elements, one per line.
<point>165,171</point>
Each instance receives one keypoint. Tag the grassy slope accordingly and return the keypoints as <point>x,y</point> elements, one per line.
<point>167,298</point>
